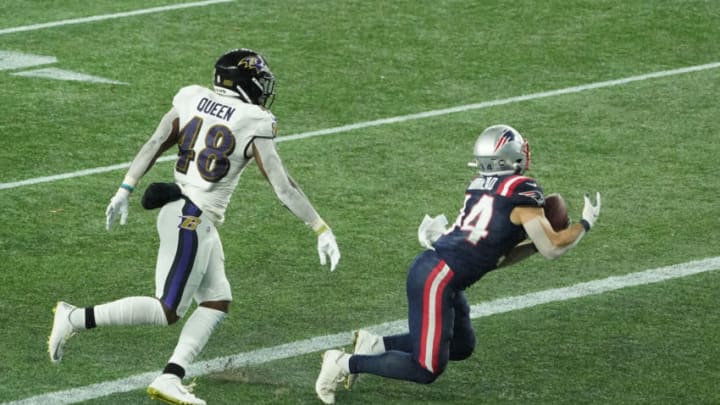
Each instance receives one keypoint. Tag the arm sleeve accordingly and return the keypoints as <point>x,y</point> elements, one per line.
<point>159,142</point>
<point>287,191</point>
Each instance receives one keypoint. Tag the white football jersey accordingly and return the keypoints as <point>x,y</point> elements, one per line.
<point>215,136</point>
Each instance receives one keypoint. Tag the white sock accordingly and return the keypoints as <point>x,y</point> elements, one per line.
<point>77,318</point>
<point>126,311</point>
<point>344,362</point>
<point>195,334</point>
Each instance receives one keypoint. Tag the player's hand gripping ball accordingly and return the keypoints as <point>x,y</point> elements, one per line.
<point>556,212</point>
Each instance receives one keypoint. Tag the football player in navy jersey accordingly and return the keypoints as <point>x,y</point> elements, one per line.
<point>501,222</point>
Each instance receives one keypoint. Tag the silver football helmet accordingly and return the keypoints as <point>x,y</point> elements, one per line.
<point>500,149</point>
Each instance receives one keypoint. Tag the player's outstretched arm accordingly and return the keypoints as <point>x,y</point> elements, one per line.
<point>290,194</point>
<point>163,138</point>
<point>547,241</point>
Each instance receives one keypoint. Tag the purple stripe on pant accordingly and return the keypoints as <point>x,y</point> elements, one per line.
<point>184,259</point>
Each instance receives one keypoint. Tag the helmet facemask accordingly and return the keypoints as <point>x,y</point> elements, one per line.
<point>266,84</point>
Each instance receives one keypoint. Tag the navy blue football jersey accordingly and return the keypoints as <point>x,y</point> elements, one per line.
<point>483,232</point>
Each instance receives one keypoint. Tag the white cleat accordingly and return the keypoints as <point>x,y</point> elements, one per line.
<point>169,388</point>
<point>62,330</point>
<point>365,343</point>
<point>331,374</point>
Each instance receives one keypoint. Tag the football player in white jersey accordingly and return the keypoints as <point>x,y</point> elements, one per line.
<point>217,132</point>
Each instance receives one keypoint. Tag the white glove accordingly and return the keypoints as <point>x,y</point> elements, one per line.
<point>591,212</point>
<point>118,206</point>
<point>327,246</point>
<point>431,229</point>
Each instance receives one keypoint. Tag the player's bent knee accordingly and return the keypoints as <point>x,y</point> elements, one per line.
<point>463,344</point>
<point>463,350</point>
<point>422,375</point>
<point>427,376</point>
<point>462,353</point>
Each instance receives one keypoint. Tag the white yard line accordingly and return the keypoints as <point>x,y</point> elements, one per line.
<point>320,343</point>
<point>35,27</point>
<point>398,119</point>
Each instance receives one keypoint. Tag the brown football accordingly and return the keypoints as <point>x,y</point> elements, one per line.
<point>556,212</point>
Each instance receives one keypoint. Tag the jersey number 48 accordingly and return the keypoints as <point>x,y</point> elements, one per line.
<point>213,161</point>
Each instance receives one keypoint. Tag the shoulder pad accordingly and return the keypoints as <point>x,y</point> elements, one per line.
<point>521,190</point>
<point>193,88</point>
<point>263,121</point>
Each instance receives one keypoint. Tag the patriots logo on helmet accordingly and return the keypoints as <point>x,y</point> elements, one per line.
<point>507,136</point>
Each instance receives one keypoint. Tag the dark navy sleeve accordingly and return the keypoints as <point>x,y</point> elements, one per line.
<point>521,190</point>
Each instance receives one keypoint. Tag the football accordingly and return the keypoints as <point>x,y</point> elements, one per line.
<point>556,212</point>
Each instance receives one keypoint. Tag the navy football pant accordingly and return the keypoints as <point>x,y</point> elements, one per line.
<point>439,327</point>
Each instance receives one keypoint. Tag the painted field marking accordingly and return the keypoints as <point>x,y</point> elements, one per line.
<point>320,343</point>
<point>35,27</point>
<point>397,119</point>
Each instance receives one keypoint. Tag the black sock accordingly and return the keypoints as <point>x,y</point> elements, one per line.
<point>90,318</point>
<point>172,368</point>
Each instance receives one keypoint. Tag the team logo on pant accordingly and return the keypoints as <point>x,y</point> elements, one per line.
<point>189,222</point>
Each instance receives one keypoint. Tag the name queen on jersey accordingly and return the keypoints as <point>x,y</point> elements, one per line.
<point>483,232</point>
<point>222,155</point>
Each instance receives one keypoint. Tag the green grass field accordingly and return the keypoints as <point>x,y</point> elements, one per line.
<point>649,145</point>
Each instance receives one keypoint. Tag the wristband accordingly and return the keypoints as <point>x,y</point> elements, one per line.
<point>585,224</point>
<point>323,227</point>
<point>127,187</point>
